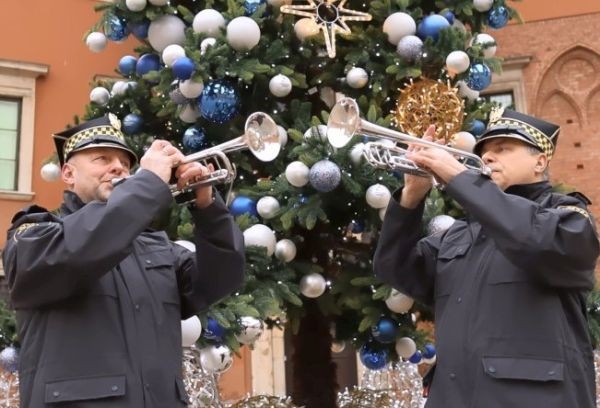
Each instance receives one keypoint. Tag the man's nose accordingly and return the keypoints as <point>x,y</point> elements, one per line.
<point>487,157</point>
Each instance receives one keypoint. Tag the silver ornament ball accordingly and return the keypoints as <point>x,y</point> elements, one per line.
<point>50,172</point>
<point>252,328</point>
<point>285,250</point>
<point>216,359</point>
<point>410,48</point>
<point>267,207</point>
<point>313,285</point>
<point>440,223</point>
<point>324,176</point>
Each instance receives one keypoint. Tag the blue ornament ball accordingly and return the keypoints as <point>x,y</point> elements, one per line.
<point>431,27</point>
<point>324,176</point>
<point>219,102</point>
<point>147,63</point>
<point>183,68</point>
<point>9,359</point>
<point>132,123</point>
<point>373,358</point>
<point>429,351</point>
<point>127,65</point>
<point>477,127</point>
<point>448,15</point>
<point>416,358</point>
<point>115,28</point>
<point>480,77</point>
<point>194,139</point>
<point>357,227</point>
<point>140,29</point>
<point>385,330</point>
<point>250,6</point>
<point>213,330</point>
<point>243,205</point>
<point>498,17</point>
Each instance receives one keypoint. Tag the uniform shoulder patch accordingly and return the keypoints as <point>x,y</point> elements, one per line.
<point>575,209</point>
<point>22,228</point>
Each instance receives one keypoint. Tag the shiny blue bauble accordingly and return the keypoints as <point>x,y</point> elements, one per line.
<point>385,330</point>
<point>219,102</point>
<point>324,176</point>
<point>498,17</point>
<point>140,29</point>
<point>250,6</point>
<point>480,77</point>
<point>243,205</point>
<point>431,27</point>
<point>373,358</point>
<point>183,68</point>
<point>213,331</point>
<point>416,358</point>
<point>477,127</point>
<point>127,65</point>
<point>147,63</point>
<point>429,351</point>
<point>357,227</point>
<point>115,28</point>
<point>194,139</point>
<point>132,123</point>
<point>9,359</point>
<point>448,15</point>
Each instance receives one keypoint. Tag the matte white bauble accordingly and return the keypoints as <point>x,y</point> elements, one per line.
<point>398,25</point>
<point>466,92</point>
<point>430,361</point>
<point>283,137</point>
<point>306,28</point>
<point>382,212</point>
<point>280,85</point>
<point>96,41</point>
<point>159,2</point>
<point>483,5</point>
<point>190,88</point>
<point>464,141</point>
<point>243,33</point>
<point>260,235</point>
<point>171,53</point>
<point>100,95</point>
<point>267,207</point>
<point>136,5</point>
<point>190,246</point>
<point>483,39</point>
<point>189,114</point>
<point>207,42</point>
<point>216,359</point>
<point>398,302</point>
<point>296,173</point>
<point>356,153</point>
<point>50,172</point>
<point>285,250</point>
<point>457,62</point>
<point>378,196</point>
<point>313,285</point>
<point>190,331</point>
<point>252,328</point>
<point>166,30</point>
<point>119,88</point>
<point>405,347</point>
<point>357,77</point>
<point>208,21</point>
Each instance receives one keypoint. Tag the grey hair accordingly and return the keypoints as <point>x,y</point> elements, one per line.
<point>534,151</point>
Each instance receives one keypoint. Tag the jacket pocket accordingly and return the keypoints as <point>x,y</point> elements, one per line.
<point>160,269</point>
<point>445,277</point>
<point>83,389</point>
<point>517,368</point>
<point>181,392</point>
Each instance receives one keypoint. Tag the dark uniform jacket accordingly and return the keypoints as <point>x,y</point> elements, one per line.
<point>509,286</point>
<point>100,298</point>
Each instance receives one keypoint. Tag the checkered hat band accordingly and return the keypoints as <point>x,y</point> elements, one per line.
<point>89,135</point>
<point>541,140</point>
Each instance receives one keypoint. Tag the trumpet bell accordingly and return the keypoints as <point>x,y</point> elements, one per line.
<point>344,121</point>
<point>262,136</point>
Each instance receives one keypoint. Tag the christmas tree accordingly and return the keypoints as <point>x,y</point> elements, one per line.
<point>311,216</point>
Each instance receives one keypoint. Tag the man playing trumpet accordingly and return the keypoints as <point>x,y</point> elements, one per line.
<point>509,282</point>
<point>99,295</point>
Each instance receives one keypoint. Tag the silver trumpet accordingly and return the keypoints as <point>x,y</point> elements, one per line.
<point>345,121</point>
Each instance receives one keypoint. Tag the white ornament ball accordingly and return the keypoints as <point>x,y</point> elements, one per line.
<point>356,153</point>
<point>283,137</point>
<point>382,212</point>
<point>260,235</point>
<point>100,95</point>
<point>378,196</point>
<point>208,21</point>
<point>296,173</point>
<point>338,346</point>
<point>189,114</point>
<point>267,207</point>
<point>398,25</point>
<point>483,5</point>
<point>306,28</point>
<point>280,85</point>
<point>410,47</point>
<point>398,302</point>
<point>172,53</point>
<point>430,361</point>
<point>279,3</point>
<point>313,285</point>
<point>285,250</point>
<point>317,131</point>
<point>439,224</point>
<point>50,172</point>
<point>252,328</point>
<point>357,78</point>
<point>216,359</point>
<point>207,42</point>
<point>190,88</point>
<point>119,88</point>
<point>190,331</point>
<point>159,2</point>
<point>190,246</point>
<point>457,62</point>
<point>135,5</point>
<point>484,39</point>
<point>464,141</point>
<point>96,41</point>
<point>466,92</point>
<point>166,30</point>
<point>405,347</point>
<point>243,33</point>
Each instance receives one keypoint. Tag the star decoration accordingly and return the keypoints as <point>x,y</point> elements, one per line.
<point>329,17</point>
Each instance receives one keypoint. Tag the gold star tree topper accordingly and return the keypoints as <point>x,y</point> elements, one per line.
<point>329,17</point>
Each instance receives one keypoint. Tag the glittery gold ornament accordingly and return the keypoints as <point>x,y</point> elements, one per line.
<point>427,102</point>
<point>264,401</point>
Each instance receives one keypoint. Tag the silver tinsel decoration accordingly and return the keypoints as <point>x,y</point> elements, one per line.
<point>9,389</point>
<point>263,401</point>
<point>201,386</point>
<point>439,223</point>
<point>410,47</point>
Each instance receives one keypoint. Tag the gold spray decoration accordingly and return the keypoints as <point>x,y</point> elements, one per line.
<point>329,17</point>
<point>427,102</point>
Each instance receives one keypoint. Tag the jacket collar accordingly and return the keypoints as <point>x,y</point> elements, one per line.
<point>71,203</point>
<point>531,191</point>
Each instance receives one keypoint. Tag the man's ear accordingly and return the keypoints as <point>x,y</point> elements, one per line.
<point>67,174</point>
<point>541,164</point>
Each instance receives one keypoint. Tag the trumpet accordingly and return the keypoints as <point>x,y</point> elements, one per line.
<point>345,121</point>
